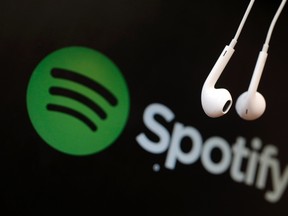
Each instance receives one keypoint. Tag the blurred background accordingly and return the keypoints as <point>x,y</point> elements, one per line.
<point>165,50</point>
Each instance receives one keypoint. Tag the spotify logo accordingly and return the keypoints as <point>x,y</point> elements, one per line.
<point>78,101</point>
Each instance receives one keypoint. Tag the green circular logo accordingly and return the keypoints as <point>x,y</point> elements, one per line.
<point>78,101</point>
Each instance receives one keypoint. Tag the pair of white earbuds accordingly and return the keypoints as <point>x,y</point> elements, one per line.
<point>251,104</point>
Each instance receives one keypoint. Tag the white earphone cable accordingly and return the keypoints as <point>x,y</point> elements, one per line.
<point>272,25</point>
<point>234,41</point>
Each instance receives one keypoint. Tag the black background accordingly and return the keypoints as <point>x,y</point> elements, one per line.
<point>165,50</point>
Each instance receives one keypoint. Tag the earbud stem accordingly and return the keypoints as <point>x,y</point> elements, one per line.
<point>219,66</point>
<point>253,86</point>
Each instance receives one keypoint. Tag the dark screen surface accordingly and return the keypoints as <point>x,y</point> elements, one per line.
<point>164,50</point>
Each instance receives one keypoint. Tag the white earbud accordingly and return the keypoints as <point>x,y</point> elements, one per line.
<point>217,102</point>
<point>251,104</point>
